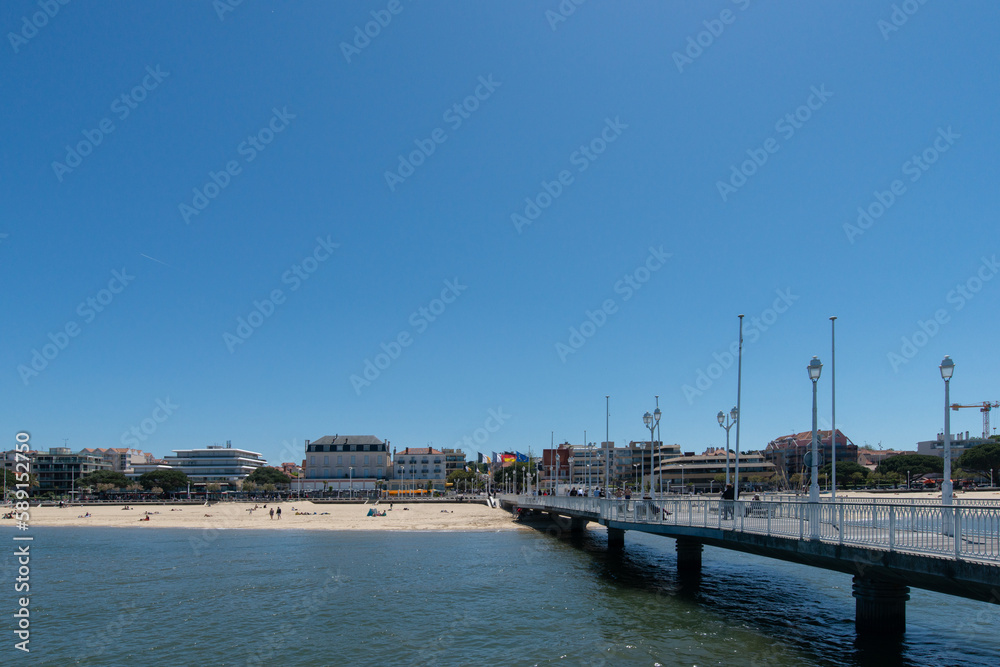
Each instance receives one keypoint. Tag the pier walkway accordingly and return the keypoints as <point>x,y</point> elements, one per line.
<point>887,547</point>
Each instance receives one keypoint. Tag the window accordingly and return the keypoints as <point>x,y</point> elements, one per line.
<point>378,460</point>
<point>326,472</point>
<point>367,471</point>
<point>340,472</point>
<point>312,460</point>
<point>353,459</point>
<point>366,463</point>
<point>340,459</point>
<point>326,460</point>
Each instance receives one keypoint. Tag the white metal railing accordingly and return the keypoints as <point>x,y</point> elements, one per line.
<point>958,532</point>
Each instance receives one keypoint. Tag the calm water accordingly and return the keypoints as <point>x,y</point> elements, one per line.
<point>165,597</point>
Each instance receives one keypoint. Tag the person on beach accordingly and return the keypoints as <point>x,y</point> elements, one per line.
<point>279,512</point>
<point>272,513</point>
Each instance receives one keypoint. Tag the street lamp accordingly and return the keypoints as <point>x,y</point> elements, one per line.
<point>814,368</point>
<point>726,422</point>
<point>351,478</point>
<point>651,420</point>
<point>947,369</point>
<point>682,478</point>
<point>635,467</point>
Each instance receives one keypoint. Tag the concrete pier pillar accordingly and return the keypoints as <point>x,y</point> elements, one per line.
<point>689,555</point>
<point>616,538</point>
<point>880,606</point>
<point>577,525</point>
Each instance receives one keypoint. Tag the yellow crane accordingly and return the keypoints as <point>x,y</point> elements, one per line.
<point>985,408</point>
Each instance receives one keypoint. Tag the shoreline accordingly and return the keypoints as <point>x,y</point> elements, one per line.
<point>304,515</point>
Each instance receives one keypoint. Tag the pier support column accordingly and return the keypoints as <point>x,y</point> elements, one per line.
<point>689,555</point>
<point>880,606</point>
<point>616,538</point>
<point>577,525</point>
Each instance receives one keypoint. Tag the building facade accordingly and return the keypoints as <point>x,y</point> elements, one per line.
<point>215,464</point>
<point>454,460</point>
<point>59,469</point>
<point>707,471</point>
<point>416,467</point>
<point>959,443</point>
<point>788,452</point>
<point>346,462</point>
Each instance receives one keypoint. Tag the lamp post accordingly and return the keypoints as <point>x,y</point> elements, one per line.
<point>907,480</point>
<point>683,486</point>
<point>659,450</point>
<point>947,369</point>
<point>814,368</point>
<point>635,467</point>
<point>726,422</point>
<point>833,404</point>
<point>351,483</point>
<point>650,420</point>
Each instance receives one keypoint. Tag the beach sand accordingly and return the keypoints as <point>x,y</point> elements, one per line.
<point>403,516</point>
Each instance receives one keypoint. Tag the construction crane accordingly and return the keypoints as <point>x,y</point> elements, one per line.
<point>985,408</point>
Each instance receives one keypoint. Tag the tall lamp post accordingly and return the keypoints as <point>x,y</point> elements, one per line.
<point>635,467</point>
<point>814,368</point>
<point>726,422</point>
<point>351,478</point>
<point>947,369</point>
<point>659,450</point>
<point>650,420</point>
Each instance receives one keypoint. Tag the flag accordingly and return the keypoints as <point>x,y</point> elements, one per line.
<point>520,458</point>
<point>495,457</point>
<point>507,457</point>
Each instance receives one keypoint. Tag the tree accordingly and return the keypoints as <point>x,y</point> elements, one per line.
<point>845,471</point>
<point>166,480</point>
<point>98,477</point>
<point>10,479</point>
<point>268,475</point>
<point>981,458</point>
<point>916,464</point>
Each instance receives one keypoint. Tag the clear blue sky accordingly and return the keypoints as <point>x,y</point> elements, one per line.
<point>662,124</point>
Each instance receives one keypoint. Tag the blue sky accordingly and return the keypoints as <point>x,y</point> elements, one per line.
<point>689,162</point>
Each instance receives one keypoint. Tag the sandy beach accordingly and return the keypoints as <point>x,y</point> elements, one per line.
<point>294,515</point>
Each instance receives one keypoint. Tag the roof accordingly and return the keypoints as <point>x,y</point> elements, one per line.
<point>418,451</point>
<point>804,439</point>
<point>347,440</point>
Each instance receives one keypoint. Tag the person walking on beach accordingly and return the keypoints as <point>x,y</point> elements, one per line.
<point>272,513</point>
<point>279,512</point>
